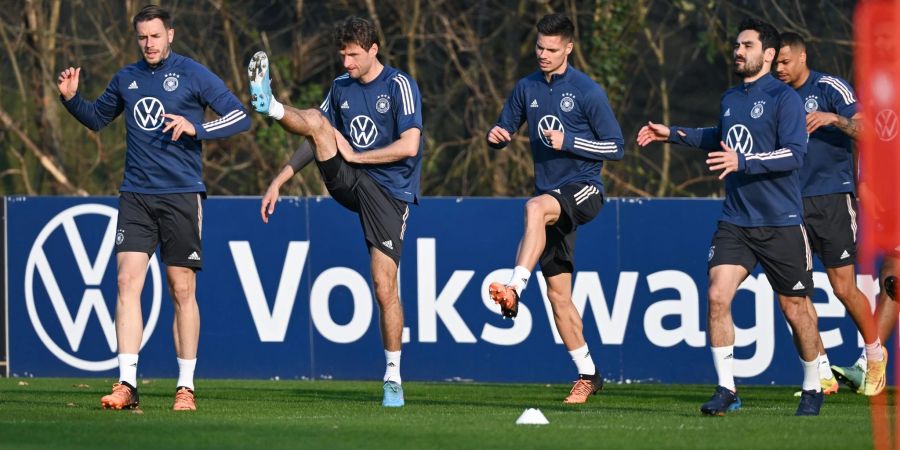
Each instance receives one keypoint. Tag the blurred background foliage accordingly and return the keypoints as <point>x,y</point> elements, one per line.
<point>661,60</point>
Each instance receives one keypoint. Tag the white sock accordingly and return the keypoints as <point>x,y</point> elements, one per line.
<point>873,351</point>
<point>723,360</point>
<point>276,109</point>
<point>825,367</point>
<point>186,373</point>
<point>583,362</point>
<point>519,279</point>
<point>128,368</point>
<point>392,366</point>
<point>811,375</point>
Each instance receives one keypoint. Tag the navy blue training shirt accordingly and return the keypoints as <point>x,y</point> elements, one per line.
<point>372,116</point>
<point>154,163</point>
<point>828,168</point>
<point>765,124</point>
<point>574,104</point>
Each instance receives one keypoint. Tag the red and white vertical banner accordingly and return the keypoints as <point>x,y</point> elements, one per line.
<point>877,58</point>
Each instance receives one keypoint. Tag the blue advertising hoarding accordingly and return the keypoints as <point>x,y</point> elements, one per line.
<point>293,298</point>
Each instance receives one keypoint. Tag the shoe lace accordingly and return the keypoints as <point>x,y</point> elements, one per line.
<point>184,395</point>
<point>120,390</point>
<point>720,396</point>
<point>582,388</point>
<point>873,374</point>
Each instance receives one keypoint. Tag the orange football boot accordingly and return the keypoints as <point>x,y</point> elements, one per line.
<point>184,400</point>
<point>123,396</point>
<point>506,297</point>
<point>584,387</point>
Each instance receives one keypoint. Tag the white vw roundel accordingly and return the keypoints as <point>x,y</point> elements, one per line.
<point>740,139</point>
<point>148,113</point>
<point>363,131</point>
<point>549,122</point>
<point>45,287</point>
<point>886,125</point>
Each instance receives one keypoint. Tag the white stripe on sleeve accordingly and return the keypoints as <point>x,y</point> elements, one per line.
<point>229,119</point>
<point>405,94</point>
<point>839,86</point>
<point>595,146</point>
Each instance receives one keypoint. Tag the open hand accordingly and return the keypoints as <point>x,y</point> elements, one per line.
<point>652,132</point>
<point>179,125</point>
<point>67,83</point>
<point>725,160</point>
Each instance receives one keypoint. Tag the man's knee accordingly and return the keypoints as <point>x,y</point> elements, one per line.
<point>182,285</point>
<point>537,209</point>
<point>385,284</point>
<point>559,299</point>
<point>843,282</point>
<point>719,299</point>
<point>385,292</point>
<point>320,127</point>
<point>843,290</point>
<point>182,293</point>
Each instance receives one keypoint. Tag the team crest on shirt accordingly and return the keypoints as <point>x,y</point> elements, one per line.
<point>811,104</point>
<point>383,104</point>
<point>712,252</point>
<point>567,103</point>
<point>171,82</point>
<point>120,236</point>
<point>758,109</point>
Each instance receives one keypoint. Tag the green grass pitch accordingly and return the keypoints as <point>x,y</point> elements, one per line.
<point>50,413</point>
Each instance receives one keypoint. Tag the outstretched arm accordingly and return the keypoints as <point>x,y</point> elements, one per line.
<point>705,138</point>
<point>300,159</point>
<point>94,115</point>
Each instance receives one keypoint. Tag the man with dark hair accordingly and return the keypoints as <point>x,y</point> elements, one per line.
<point>367,139</point>
<point>829,198</point>
<point>762,220</point>
<point>572,131</point>
<point>161,195</point>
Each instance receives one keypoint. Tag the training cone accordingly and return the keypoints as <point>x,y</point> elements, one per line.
<point>532,416</point>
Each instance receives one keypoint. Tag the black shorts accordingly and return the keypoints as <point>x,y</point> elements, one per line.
<point>831,227</point>
<point>579,203</point>
<point>174,222</point>
<point>783,253</point>
<point>382,216</point>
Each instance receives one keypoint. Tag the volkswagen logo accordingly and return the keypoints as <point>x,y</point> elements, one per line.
<point>363,131</point>
<point>549,122</point>
<point>740,139</point>
<point>886,125</point>
<point>42,286</point>
<point>148,113</point>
